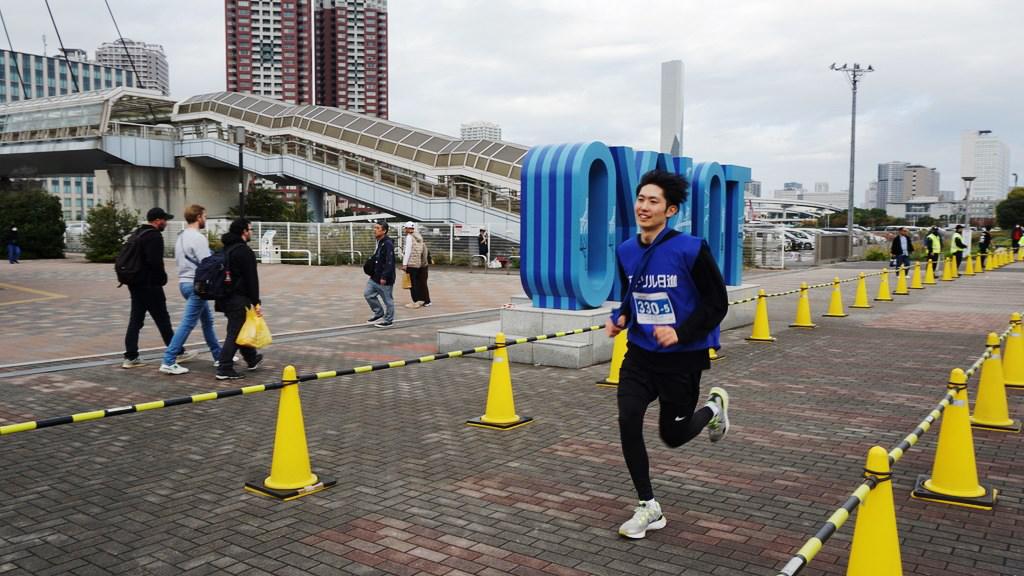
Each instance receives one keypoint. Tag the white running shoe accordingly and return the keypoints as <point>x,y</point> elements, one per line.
<point>133,363</point>
<point>174,369</point>
<point>718,427</point>
<point>646,516</point>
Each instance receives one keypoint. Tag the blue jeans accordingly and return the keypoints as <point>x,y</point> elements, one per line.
<point>195,309</point>
<point>13,253</point>
<point>903,261</point>
<point>374,294</point>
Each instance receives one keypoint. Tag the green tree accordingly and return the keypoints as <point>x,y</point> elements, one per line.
<point>38,216</point>
<point>108,226</point>
<point>926,221</point>
<point>264,204</point>
<point>298,212</point>
<point>1010,212</point>
<point>1015,192</point>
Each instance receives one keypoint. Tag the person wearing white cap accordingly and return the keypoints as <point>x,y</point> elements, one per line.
<point>414,263</point>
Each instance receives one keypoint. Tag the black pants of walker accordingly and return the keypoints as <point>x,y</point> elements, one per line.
<point>419,291</point>
<point>234,310</point>
<point>151,300</point>
<point>677,394</point>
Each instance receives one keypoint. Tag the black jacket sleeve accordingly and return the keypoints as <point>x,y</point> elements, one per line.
<point>714,300</point>
<point>153,255</point>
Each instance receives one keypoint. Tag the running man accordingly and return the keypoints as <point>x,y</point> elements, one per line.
<point>673,304</point>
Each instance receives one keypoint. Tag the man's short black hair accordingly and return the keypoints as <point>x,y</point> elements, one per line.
<point>674,186</point>
<point>239,225</point>
<point>383,226</point>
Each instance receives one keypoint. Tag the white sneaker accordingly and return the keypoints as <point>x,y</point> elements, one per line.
<point>186,356</point>
<point>235,358</point>
<point>133,363</point>
<point>413,305</point>
<point>174,369</point>
<point>646,516</point>
<point>718,427</point>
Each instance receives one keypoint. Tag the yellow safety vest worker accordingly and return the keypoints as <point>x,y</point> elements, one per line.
<point>954,244</point>
<point>934,244</point>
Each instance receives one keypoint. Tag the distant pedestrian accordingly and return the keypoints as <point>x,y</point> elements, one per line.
<point>13,248</point>
<point>933,247</point>
<point>1015,237</point>
<point>189,250</point>
<point>901,249</point>
<point>483,247</point>
<point>414,263</point>
<point>147,289</point>
<point>379,286</point>
<point>984,244</point>
<point>245,292</point>
<point>957,246</point>
<point>675,299</point>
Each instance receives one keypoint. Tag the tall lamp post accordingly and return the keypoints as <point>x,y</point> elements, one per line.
<point>853,74</point>
<point>240,140</point>
<point>967,200</point>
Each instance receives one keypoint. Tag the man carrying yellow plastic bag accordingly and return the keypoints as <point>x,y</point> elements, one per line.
<point>254,333</point>
<point>244,294</point>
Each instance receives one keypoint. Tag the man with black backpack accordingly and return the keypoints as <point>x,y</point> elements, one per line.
<point>244,291</point>
<point>140,265</point>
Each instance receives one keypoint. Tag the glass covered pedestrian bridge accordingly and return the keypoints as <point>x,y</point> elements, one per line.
<point>422,163</point>
<point>128,111</point>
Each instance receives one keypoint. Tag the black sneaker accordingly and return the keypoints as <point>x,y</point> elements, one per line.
<point>226,375</point>
<point>374,319</point>
<point>256,364</point>
<point>384,324</point>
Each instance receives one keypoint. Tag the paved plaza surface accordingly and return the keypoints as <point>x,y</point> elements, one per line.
<point>419,492</point>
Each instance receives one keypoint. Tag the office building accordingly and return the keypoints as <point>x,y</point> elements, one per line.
<point>752,189</point>
<point>790,191</point>
<point>821,187</point>
<point>987,159</point>
<point>269,48</point>
<point>147,60</point>
<point>871,196</point>
<point>890,183</point>
<point>352,55</point>
<point>480,131</point>
<point>46,76</point>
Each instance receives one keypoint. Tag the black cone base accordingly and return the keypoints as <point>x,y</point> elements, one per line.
<point>259,488</point>
<point>478,422</point>
<point>985,502</point>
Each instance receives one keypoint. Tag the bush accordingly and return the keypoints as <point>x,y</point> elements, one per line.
<point>38,216</point>
<point>876,254</point>
<point>108,226</point>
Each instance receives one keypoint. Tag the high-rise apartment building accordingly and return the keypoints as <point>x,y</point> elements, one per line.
<point>27,76</point>
<point>148,60</point>
<point>269,47</point>
<point>821,188</point>
<point>752,189</point>
<point>919,181</point>
<point>987,158</point>
<point>352,55</point>
<point>890,183</point>
<point>480,131</point>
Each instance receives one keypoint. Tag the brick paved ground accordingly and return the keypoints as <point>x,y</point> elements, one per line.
<point>419,493</point>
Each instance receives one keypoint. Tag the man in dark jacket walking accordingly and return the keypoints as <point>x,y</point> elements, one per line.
<point>147,291</point>
<point>901,249</point>
<point>245,292</point>
<point>379,286</point>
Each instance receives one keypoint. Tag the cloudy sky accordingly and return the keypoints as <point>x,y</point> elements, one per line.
<point>758,89</point>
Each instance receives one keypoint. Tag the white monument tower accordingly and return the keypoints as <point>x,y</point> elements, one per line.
<point>672,107</point>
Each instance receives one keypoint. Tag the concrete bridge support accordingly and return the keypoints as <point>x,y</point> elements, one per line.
<point>141,188</point>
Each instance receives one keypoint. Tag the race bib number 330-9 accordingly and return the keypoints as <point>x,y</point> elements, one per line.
<point>654,308</point>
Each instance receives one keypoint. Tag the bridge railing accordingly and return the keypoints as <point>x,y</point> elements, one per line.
<point>161,132</point>
<point>503,199</point>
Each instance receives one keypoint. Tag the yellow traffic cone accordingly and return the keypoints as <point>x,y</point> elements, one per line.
<point>618,354</point>
<point>901,282</point>
<point>290,474</point>
<point>947,270</point>
<point>990,409</point>
<point>803,310</point>
<point>929,275</point>
<point>883,288</point>
<point>915,278</point>
<point>990,262</point>
<point>500,413</point>
<point>875,550</point>
<point>978,267</point>
<point>762,331</point>
<point>860,299</point>
<point>1013,359</point>
<point>714,355</point>
<point>954,478</point>
<point>1020,254</point>
<point>956,267</point>
<point>969,269</point>
<point>835,306</point>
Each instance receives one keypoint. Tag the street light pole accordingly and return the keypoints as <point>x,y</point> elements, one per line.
<point>967,200</point>
<point>240,140</point>
<point>853,74</point>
